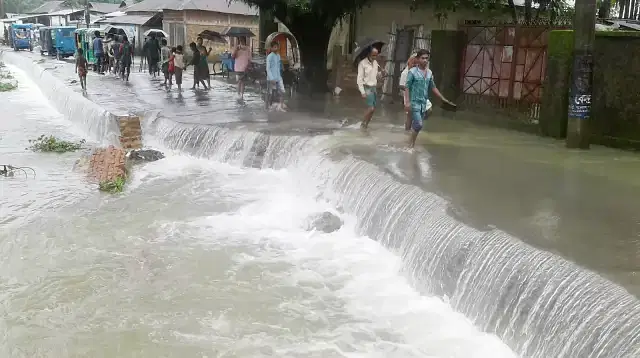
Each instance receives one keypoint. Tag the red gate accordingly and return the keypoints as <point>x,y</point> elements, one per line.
<point>504,65</point>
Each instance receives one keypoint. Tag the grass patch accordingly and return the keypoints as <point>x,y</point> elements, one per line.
<point>55,145</point>
<point>112,186</point>
<point>7,82</point>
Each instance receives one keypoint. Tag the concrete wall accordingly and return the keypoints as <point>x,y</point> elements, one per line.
<point>375,20</point>
<point>615,103</point>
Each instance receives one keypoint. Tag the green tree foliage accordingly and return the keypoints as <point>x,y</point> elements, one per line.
<point>548,9</point>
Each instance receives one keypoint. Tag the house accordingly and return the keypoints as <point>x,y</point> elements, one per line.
<point>183,20</point>
<point>60,13</point>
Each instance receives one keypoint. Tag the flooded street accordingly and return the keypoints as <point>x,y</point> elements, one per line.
<point>198,258</point>
<point>479,244</point>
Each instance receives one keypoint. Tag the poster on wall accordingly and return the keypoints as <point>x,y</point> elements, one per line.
<point>581,85</point>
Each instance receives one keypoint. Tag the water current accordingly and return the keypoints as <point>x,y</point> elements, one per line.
<point>197,258</point>
<point>209,253</point>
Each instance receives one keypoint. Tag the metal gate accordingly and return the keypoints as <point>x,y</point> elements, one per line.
<point>504,66</point>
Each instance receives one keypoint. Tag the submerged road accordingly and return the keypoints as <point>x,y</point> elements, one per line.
<point>466,211</point>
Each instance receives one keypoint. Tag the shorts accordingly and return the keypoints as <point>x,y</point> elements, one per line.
<point>371,98</point>
<point>241,76</point>
<point>279,86</point>
<point>418,116</point>
<point>177,72</point>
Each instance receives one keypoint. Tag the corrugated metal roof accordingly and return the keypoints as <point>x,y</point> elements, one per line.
<point>126,19</point>
<point>222,6</point>
<point>104,8</point>
<point>47,7</point>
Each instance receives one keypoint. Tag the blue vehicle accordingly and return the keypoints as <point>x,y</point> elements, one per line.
<point>20,37</point>
<point>59,41</point>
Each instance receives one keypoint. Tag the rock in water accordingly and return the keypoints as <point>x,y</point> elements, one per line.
<point>144,155</point>
<point>325,222</point>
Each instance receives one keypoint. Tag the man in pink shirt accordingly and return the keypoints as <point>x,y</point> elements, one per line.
<point>242,56</point>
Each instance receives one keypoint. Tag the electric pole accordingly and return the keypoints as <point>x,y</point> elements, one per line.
<point>87,15</point>
<point>584,29</point>
<point>2,13</point>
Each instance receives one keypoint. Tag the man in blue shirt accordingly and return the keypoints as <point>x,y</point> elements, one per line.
<point>274,73</point>
<point>98,51</point>
<point>416,96</point>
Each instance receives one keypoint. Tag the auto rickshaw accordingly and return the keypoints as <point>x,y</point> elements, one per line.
<point>58,41</point>
<point>20,37</point>
<point>45,40</point>
<point>84,39</point>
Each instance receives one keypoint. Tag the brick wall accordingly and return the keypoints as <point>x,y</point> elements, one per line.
<point>107,164</point>
<point>130,132</point>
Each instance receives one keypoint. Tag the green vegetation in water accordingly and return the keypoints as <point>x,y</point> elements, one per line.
<point>6,83</point>
<point>53,144</point>
<point>112,186</point>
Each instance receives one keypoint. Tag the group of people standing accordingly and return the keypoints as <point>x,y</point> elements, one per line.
<point>114,54</point>
<point>416,84</point>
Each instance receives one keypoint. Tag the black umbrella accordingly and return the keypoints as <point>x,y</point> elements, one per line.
<point>234,31</point>
<point>212,36</point>
<point>363,48</point>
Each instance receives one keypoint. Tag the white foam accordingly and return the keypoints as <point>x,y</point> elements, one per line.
<point>363,273</point>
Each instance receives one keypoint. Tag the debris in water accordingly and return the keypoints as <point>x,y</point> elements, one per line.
<point>325,222</point>
<point>53,144</point>
<point>144,155</point>
<point>7,81</point>
<point>9,171</point>
<point>112,186</point>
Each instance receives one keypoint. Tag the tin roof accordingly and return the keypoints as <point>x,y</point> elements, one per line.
<point>126,19</point>
<point>222,6</point>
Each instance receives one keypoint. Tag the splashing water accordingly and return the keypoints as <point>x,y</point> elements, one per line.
<point>539,304</point>
<point>204,258</point>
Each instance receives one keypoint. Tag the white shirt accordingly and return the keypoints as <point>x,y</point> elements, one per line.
<point>403,77</point>
<point>367,74</point>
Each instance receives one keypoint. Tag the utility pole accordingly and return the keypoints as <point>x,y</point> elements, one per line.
<point>87,15</point>
<point>584,30</point>
<point>2,13</point>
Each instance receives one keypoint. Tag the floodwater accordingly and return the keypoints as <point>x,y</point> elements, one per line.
<point>209,252</point>
<point>198,258</point>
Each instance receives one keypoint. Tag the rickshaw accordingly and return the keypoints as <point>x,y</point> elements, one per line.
<point>20,37</point>
<point>291,67</point>
<point>58,41</point>
<point>83,40</point>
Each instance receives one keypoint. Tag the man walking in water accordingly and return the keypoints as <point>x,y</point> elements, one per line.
<point>274,74</point>
<point>368,74</point>
<point>416,96</point>
<point>126,58</point>
<point>98,49</point>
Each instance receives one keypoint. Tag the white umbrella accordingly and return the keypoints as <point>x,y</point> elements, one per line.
<point>156,32</point>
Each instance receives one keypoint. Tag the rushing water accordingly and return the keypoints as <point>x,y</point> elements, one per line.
<point>209,253</point>
<point>198,258</point>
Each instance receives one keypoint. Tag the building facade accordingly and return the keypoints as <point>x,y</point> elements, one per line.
<point>183,26</point>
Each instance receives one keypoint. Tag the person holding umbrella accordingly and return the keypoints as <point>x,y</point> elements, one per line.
<point>416,95</point>
<point>368,74</point>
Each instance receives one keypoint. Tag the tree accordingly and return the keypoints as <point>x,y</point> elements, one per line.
<point>552,9</point>
<point>311,22</point>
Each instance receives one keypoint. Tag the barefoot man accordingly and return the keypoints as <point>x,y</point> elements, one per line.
<point>416,96</point>
<point>368,73</point>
